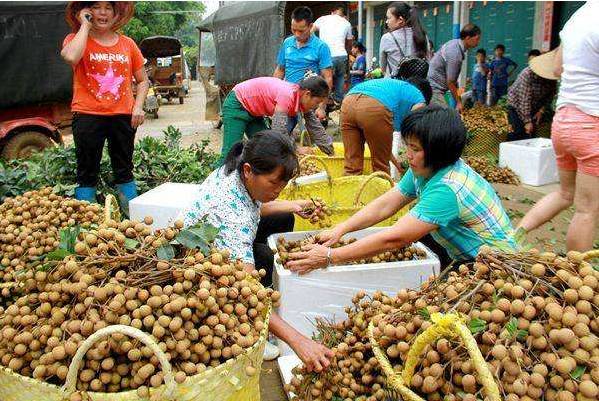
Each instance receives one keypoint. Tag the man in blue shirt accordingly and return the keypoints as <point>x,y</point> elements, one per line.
<point>371,111</point>
<point>304,51</point>
<point>499,71</point>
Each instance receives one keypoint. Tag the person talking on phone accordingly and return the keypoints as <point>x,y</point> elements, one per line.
<point>104,109</point>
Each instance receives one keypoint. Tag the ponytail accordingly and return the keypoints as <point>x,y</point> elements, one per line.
<point>410,15</point>
<point>418,33</point>
<point>264,152</point>
<point>233,157</point>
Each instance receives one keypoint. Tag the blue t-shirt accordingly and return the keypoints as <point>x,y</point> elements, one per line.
<point>397,96</point>
<point>359,64</point>
<point>499,68</point>
<point>314,55</point>
<point>479,78</point>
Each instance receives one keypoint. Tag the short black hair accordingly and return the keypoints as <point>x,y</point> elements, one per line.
<point>441,133</point>
<point>482,51</point>
<point>534,52</point>
<point>423,86</point>
<point>339,8</point>
<point>469,30</point>
<point>316,85</point>
<point>500,46</point>
<point>264,152</point>
<point>360,46</point>
<point>302,13</point>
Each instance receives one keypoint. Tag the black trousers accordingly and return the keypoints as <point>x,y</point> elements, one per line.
<point>90,132</point>
<point>263,256</point>
<point>517,132</point>
<point>444,257</point>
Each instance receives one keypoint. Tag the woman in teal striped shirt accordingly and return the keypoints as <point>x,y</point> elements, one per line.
<point>455,205</point>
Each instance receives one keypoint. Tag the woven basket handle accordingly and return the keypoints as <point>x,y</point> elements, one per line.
<point>71,381</point>
<point>111,209</point>
<point>394,378</point>
<point>316,159</point>
<point>379,174</point>
<point>444,325</point>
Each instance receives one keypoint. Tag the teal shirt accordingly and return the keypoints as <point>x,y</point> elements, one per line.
<point>464,206</point>
<point>397,96</point>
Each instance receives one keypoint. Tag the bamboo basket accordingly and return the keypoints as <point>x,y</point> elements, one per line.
<point>344,196</point>
<point>226,382</point>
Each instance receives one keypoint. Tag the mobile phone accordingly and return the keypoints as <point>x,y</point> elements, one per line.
<point>88,17</point>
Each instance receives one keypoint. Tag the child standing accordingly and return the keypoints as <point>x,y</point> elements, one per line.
<point>479,77</point>
<point>358,68</point>
<point>499,71</point>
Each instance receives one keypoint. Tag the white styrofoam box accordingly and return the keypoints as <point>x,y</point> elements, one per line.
<point>532,159</point>
<point>312,178</point>
<point>286,364</point>
<point>326,292</point>
<point>163,203</point>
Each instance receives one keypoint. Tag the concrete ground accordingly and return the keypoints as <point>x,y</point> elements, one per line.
<point>188,117</point>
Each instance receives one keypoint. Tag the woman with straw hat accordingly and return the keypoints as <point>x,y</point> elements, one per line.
<point>575,129</point>
<point>104,64</point>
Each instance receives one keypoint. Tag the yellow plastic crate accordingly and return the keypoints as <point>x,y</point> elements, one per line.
<point>344,195</point>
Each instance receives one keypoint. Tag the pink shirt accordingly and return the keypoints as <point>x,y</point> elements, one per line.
<point>259,96</point>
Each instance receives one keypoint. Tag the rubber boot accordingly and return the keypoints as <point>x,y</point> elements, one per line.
<point>127,191</point>
<point>86,194</point>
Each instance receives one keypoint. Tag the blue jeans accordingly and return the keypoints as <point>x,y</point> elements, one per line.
<point>339,68</point>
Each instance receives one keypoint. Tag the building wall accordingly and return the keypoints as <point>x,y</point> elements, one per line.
<point>508,23</point>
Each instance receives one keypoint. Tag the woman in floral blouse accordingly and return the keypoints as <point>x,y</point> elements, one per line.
<point>239,199</point>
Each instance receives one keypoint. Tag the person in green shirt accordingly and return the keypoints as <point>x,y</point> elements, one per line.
<point>455,205</point>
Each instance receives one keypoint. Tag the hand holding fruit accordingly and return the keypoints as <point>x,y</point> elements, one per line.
<point>315,356</point>
<point>312,256</point>
<point>330,237</point>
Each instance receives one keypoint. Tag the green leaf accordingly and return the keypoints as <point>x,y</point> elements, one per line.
<point>512,326</point>
<point>578,372</point>
<point>522,334</point>
<point>68,238</point>
<point>192,240</point>
<point>165,252</point>
<point>477,325</point>
<point>58,254</point>
<point>131,243</point>
<point>425,314</point>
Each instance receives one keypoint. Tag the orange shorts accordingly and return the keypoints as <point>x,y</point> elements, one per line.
<point>575,137</point>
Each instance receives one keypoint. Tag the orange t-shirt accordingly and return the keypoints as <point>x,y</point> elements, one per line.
<point>102,80</point>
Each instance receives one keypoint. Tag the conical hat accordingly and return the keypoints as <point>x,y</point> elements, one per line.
<point>544,65</point>
<point>123,9</point>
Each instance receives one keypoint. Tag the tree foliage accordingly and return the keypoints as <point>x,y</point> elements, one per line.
<point>153,18</point>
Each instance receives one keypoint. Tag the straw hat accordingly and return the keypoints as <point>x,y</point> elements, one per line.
<point>544,65</point>
<point>123,9</point>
